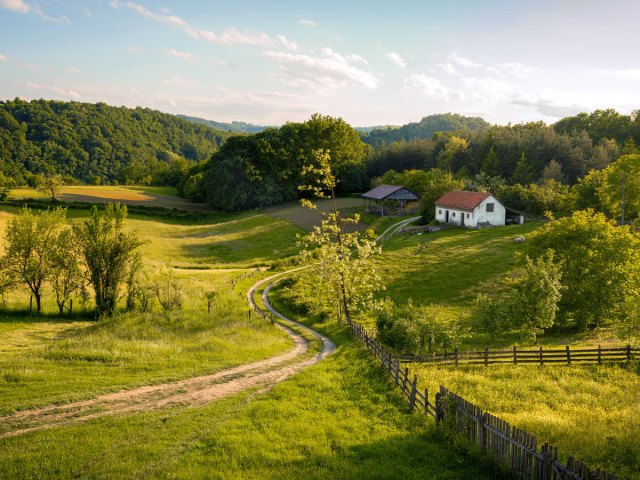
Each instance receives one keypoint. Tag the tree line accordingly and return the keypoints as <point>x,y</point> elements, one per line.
<point>99,144</point>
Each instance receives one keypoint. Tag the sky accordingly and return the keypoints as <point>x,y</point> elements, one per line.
<point>369,62</point>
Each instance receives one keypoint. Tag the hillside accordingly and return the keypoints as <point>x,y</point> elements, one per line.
<point>98,143</point>
<point>425,128</point>
<point>235,127</point>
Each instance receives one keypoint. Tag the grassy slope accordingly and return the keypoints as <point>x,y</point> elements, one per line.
<point>588,411</point>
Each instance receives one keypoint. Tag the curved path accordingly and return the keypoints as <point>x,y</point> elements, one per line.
<point>193,391</point>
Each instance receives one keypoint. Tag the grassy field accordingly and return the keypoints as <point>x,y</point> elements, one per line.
<point>146,196</point>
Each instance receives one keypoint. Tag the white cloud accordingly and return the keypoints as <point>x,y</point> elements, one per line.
<point>186,56</point>
<point>487,89</point>
<point>230,36</point>
<point>515,69</point>
<point>324,72</point>
<point>462,61</point>
<point>308,23</point>
<point>432,87</point>
<point>21,7</point>
<point>289,45</point>
<point>549,104</point>
<point>60,91</point>
<point>3,58</point>
<point>397,59</point>
<point>357,58</point>
<point>447,68</point>
<point>15,6</point>
<point>135,50</point>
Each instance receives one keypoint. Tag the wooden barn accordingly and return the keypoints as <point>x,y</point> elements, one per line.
<point>396,197</point>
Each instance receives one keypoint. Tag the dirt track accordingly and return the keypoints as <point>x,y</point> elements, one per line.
<point>190,392</point>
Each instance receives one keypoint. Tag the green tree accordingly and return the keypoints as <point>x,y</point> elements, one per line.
<point>610,190</point>
<point>340,260</point>
<point>30,242</point>
<point>490,165</point>
<point>108,252</point>
<point>51,184</point>
<point>454,155</point>
<point>597,259</point>
<point>67,275</point>
<point>552,171</point>
<point>523,173</point>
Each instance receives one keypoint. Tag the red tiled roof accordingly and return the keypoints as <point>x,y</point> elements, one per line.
<point>462,200</point>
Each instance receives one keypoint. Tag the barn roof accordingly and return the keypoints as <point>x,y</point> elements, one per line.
<point>462,200</point>
<point>383,191</point>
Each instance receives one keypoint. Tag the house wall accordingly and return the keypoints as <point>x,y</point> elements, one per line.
<point>497,217</point>
<point>455,216</point>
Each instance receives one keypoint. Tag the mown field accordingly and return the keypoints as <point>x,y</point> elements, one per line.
<point>337,419</point>
<point>165,197</point>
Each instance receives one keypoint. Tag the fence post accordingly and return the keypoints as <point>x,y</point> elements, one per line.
<point>541,357</point>
<point>426,401</point>
<point>412,396</point>
<point>515,357</point>
<point>599,355</point>
<point>481,420</point>
<point>397,372</point>
<point>546,462</point>
<point>628,352</point>
<point>455,352</point>
<point>486,356</point>
<point>438,408</point>
<point>568,355</point>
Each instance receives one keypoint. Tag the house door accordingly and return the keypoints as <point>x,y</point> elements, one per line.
<point>462,219</point>
<point>446,216</point>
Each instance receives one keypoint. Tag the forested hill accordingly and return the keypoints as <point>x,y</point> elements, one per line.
<point>97,143</point>
<point>424,129</point>
<point>236,127</point>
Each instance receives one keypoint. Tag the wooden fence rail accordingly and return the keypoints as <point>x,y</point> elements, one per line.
<point>539,356</point>
<point>514,449</point>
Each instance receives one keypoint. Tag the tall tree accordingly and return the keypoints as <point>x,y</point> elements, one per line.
<point>108,252</point>
<point>523,173</point>
<point>626,169</point>
<point>67,274</point>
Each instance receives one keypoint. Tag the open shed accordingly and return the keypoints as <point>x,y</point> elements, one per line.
<point>374,200</point>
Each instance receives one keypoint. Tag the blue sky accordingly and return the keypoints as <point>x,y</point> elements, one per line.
<point>371,63</point>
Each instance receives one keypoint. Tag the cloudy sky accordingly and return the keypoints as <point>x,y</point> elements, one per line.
<point>370,62</point>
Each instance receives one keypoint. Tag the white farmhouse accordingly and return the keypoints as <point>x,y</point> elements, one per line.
<point>470,209</point>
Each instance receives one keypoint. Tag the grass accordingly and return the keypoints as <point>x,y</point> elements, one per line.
<point>587,411</point>
<point>306,219</point>
<point>338,419</point>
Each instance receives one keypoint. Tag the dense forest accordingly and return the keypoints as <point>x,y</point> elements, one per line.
<point>99,143</point>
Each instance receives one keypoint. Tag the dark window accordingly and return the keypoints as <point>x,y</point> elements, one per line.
<point>467,215</point>
<point>453,214</point>
<point>489,207</point>
<point>439,212</point>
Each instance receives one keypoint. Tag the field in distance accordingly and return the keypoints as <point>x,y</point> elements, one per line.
<point>165,197</point>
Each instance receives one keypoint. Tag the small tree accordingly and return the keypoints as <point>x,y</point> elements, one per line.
<point>67,275</point>
<point>51,184</point>
<point>30,244</point>
<point>167,290</point>
<point>533,300</point>
<point>108,252</point>
<point>341,260</point>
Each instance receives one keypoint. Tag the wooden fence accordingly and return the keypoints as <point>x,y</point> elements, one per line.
<point>539,356</point>
<point>514,449</point>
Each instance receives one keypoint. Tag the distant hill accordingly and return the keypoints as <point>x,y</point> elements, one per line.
<point>366,130</point>
<point>425,128</point>
<point>235,127</point>
<point>97,143</point>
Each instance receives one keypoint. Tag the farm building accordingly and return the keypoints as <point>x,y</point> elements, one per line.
<point>396,197</point>
<point>473,209</point>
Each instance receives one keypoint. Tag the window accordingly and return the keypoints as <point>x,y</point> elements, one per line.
<point>489,207</point>
<point>439,212</point>
<point>453,214</point>
<point>467,215</point>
